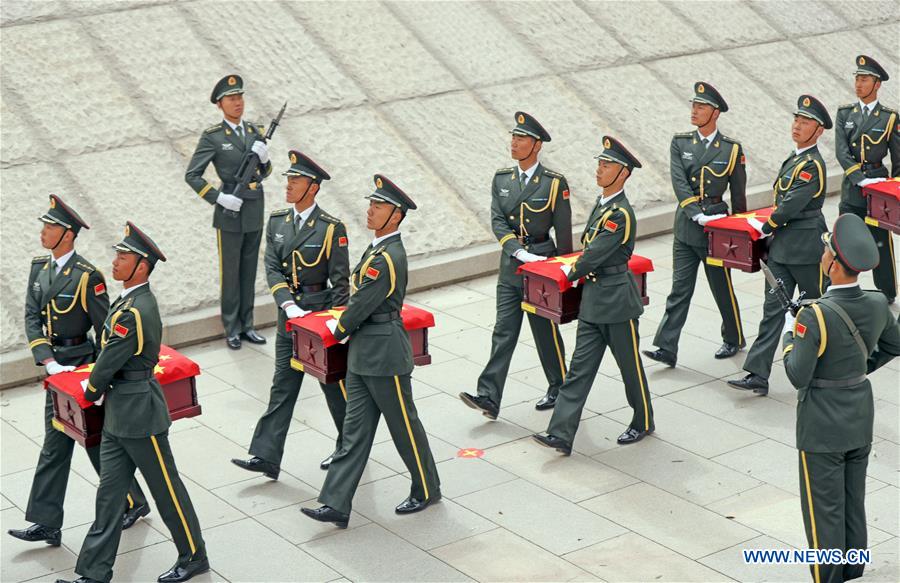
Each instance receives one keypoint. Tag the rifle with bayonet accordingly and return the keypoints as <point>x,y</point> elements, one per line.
<point>777,289</point>
<point>249,168</point>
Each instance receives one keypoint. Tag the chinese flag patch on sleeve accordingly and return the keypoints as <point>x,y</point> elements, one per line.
<point>743,159</point>
<point>801,330</point>
<point>611,226</point>
<point>372,273</point>
<point>805,176</point>
<point>342,241</point>
<point>566,194</point>
<point>100,289</point>
<point>120,330</point>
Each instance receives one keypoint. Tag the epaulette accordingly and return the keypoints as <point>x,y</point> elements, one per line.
<point>261,128</point>
<point>280,212</point>
<point>211,129</point>
<point>379,250</point>
<point>85,267</point>
<point>509,170</point>
<point>41,259</point>
<point>729,139</point>
<point>888,109</point>
<point>328,218</point>
<point>848,105</point>
<point>552,173</point>
<point>684,135</point>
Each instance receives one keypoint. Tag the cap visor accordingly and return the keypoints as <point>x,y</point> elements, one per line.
<point>380,198</point>
<point>866,72</point>
<point>126,248</point>
<point>706,101</point>
<point>526,133</point>
<point>609,158</point>
<point>809,115</point>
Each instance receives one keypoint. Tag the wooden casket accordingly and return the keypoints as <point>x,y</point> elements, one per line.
<point>549,294</point>
<point>318,353</point>
<point>883,205</point>
<point>82,420</point>
<point>733,243</point>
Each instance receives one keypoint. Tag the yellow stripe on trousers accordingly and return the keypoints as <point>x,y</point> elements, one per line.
<point>130,501</point>
<point>412,439</point>
<point>637,364</point>
<point>219,243</point>
<point>343,389</point>
<point>812,515</point>
<point>559,356</point>
<point>737,315</point>
<point>165,474</point>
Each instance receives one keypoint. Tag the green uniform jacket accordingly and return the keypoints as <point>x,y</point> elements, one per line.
<point>859,140</point>
<point>379,284</point>
<point>821,347</point>
<point>532,212</point>
<point>221,146</point>
<point>610,293</point>
<point>129,349</point>
<point>314,255</point>
<point>76,302</point>
<point>700,176</point>
<point>797,222</point>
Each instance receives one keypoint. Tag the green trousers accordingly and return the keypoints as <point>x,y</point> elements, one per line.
<point>811,282</point>
<point>550,348</point>
<point>51,476</point>
<point>118,459</point>
<point>368,398</point>
<point>885,273</point>
<point>833,499</point>
<point>590,345</point>
<point>238,257</point>
<point>271,430</point>
<point>686,258</point>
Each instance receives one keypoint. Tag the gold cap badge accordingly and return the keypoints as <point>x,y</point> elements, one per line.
<point>607,144</point>
<point>862,60</point>
<point>52,202</point>
<point>701,88</point>
<point>293,158</point>
<point>232,81</point>
<point>378,183</point>
<point>127,230</point>
<point>806,102</point>
<point>521,118</point>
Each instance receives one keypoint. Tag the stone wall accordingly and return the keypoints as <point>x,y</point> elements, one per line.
<point>103,101</point>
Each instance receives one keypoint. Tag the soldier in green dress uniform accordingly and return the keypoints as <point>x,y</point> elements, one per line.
<point>306,249</point>
<point>527,200</point>
<point>379,365</point>
<point>66,298</point>
<point>238,216</point>
<point>610,307</point>
<point>828,351</point>
<point>795,228</point>
<point>136,423</point>
<point>866,132</point>
<point>704,164</point>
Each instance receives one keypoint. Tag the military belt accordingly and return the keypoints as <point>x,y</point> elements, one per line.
<point>837,383</point>
<point>712,199</point>
<point>383,317</point>
<point>531,240</point>
<point>870,166</point>
<point>312,288</point>
<point>807,214</point>
<point>610,270</point>
<point>251,193</point>
<point>72,341</point>
<point>133,375</point>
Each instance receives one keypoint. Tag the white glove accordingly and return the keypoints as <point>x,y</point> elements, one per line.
<point>294,311</point>
<point>526,257</point>
<point>54,367</point>
<point>758,225</point>
<point>789,320</point>
<point>229,201</point>
<point>868,181</point>
<point>332,325</point>
<point>702,219</point>
<point>260,148</point>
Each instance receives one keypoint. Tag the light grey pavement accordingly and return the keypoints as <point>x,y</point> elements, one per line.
<point>719,475</point>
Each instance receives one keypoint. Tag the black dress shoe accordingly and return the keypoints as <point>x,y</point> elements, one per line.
<point>660,355</point>
<point>548,401</point>
<point>132,515</point>
<point>260,465</point>
<point>727,350</point>
<point>632,435</point>
<point>233,342</point>
<point>557,443</point>
<point>752,382</point>
<point>488,408</point>
<point>79,580</point>
<point>37,533</point>
<point>327,514</point>
<point>184,572</point>
<point>253,337</point>
<point>411,504</point>
<point>326,463</point>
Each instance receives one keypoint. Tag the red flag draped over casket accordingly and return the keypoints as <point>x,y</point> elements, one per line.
<point>883,205</point>
<point>318,353</point>
<point>548,292</point>
<point>734,243</point>
<point>81,420</point>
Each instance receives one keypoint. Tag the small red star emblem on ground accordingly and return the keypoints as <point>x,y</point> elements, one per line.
<point>470,452</point>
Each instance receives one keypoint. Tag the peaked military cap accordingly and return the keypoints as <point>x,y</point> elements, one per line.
<point>528,126</point>
<point>852,244</point>
<point>227,85</point>
<point>136,241</point>
<point>303,165</point>
<point>866,65</point>
<point>706,93</point>
<point>614,151</point>
<point>62,214</point>
<point>809,106</point>
<point>387,191</point>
